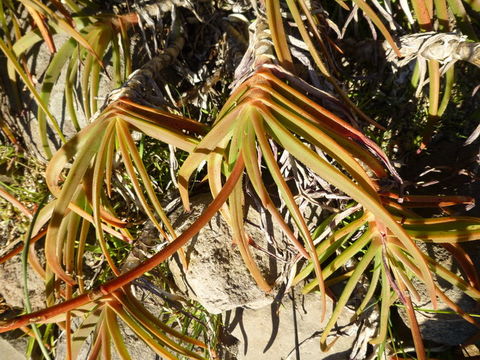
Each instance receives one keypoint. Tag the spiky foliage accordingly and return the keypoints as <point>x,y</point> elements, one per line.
<point>270,109</point>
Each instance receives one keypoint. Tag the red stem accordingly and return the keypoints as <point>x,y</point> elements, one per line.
<point>19,248</point>
<point>124,279</point>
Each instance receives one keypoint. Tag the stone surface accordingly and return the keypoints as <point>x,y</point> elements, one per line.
<point>216,276</point>
<point>289,331</point>
<point>11,285</point>
<point>7,351</point>
<point>471,352</point>
<point>27,124</point>
<point>445,329</point>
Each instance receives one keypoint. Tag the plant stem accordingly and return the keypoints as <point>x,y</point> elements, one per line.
<point>124,279</point>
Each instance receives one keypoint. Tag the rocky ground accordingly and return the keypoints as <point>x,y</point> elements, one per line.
<point>283,324</point>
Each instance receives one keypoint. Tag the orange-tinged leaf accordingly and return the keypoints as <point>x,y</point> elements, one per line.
<point>60,159</point>
<point>422,14</point>
<point>240,237</point>
<point>67,193</point>
<point>128,141</point>
<point>62,24</point>
<point>108,288</point>
<point>378,22</point>
<point>97,181</point>
<point>116,335</point>
<point>359,194</point>
<point>279,37</point>
<point>329,122</point>
<point>221,130</point>
<point>86,327</point>
<point>249,151</point>
<point>153,343</point>
<point>39,21</point>
<point>151,322</point>
<point>326,143</point>
<point>306,38</point>
<point>214,168</point>
<point>85,215</point>
<point>123,134</point>
<point>165,135</point>
<point>161,118</point>
<point>289,200</point>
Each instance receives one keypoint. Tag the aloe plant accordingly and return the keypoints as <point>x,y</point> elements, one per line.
<point>270,109</point>
<point>48,22</point>
<point>434,17</point>
<point>90,39</point>
<point>393,265</point>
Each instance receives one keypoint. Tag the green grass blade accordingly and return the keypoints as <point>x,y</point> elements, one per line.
<point>26,294</point>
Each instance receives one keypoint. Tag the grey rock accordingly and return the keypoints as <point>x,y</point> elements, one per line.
<point>216,276</point>
<point>290,330</point>
<point>9,352</point>
<point>26,124</point>
<point>445,329</point>
<point>11,285</point>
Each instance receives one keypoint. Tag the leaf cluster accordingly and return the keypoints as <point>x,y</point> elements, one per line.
<point>271,110</point>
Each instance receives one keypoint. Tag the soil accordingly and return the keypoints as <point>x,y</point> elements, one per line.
<point>217,38</point>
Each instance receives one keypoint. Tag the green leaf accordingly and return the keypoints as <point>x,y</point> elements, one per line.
<point>347,292</point>
<point>116,335</point>
<point>51,76</point>
<point>82,333</point>
<point>70,187</point>
<point>359,194</point>
<point>18,68</point>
